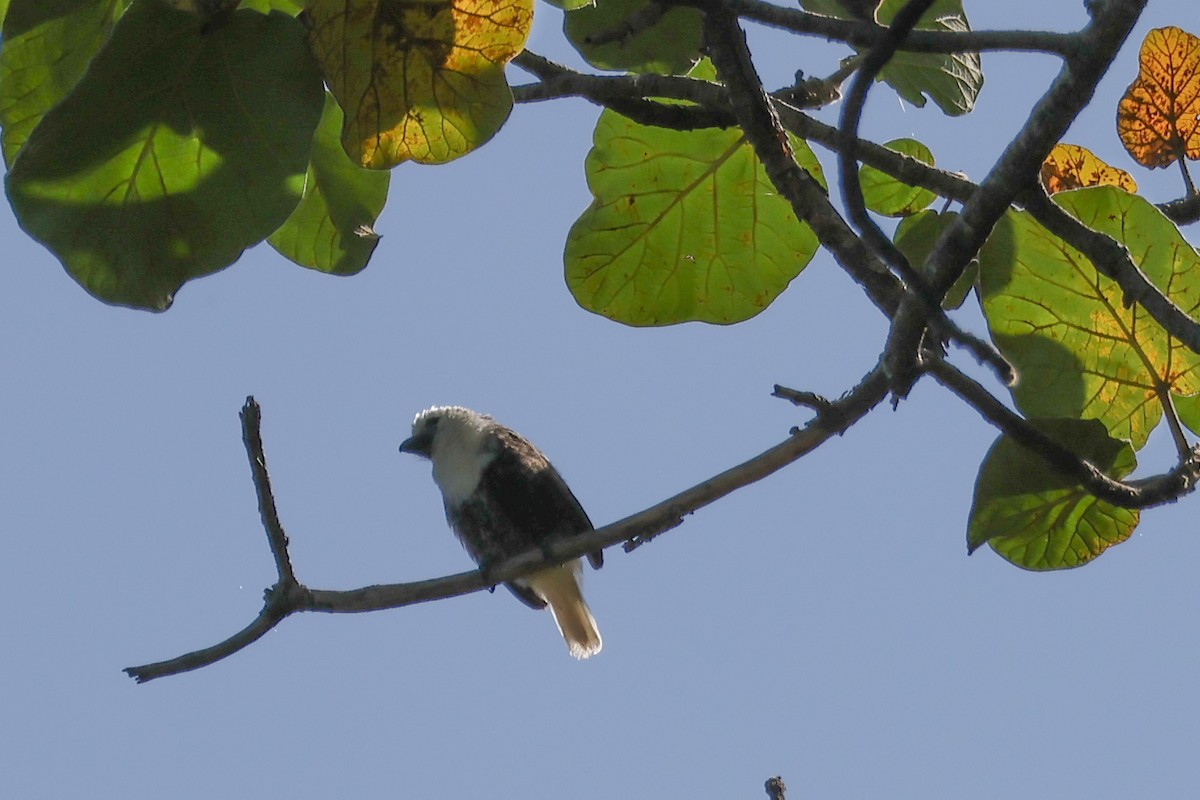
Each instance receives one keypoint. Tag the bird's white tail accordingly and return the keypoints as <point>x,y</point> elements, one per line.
<point>559,587</point>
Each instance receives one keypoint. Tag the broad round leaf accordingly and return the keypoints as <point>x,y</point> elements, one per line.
<point>1070,166</point>
<point>1157,118</point>
<point>670,46</point>
<point>176,151</point>
<point>418,80</point>
<point>1079,351</point>
<point>916,236</point>
<point>47,47</point>
<point>331,229</point>
<point>1037,519</point>
<point>885,195</point>
<point>684,226</point>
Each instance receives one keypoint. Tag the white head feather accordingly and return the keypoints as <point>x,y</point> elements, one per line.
<point>461,448</point>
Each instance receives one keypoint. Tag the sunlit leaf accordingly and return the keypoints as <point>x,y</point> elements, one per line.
<point>570,5</point>
<point>915,238</point>
<point>884,194</point>
<point>1079,350</point>
<point>418,79</point>
<point>1070,166</point>
<point>1157,117</point>
<point>341,201</point>
<point>290,7</point>
<point>1037,519</point>
<point>47,46</point>
<point>684,226</point>
<point>670,46</point>
<point>951,80</point>
<point>175,152</point>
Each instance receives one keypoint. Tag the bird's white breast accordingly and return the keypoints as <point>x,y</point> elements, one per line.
<point>460,455</point>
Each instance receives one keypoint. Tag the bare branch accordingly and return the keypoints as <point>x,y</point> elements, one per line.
<point>866,34</point>
<point>251,416</point>
<point>635,530</point>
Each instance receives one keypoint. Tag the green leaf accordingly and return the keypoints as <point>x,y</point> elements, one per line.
<point>915,238</point>
<point>289,7</point>
<point>670,47</point>
<point>1036,518</point>
<point>173,154</point>
<point>684,226</point>
<point>330,228</point>
<point>571,5</point>
<point>47,46</point>
<point>1079,350</point>
<point>886,195</point>
<point>952,81</point>
<point>1188,411</point>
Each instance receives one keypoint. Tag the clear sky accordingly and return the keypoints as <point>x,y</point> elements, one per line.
<point>825,625</point>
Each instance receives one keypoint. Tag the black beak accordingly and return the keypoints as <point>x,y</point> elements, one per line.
<point>418,445</point>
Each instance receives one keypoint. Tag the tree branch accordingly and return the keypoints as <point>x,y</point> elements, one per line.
<point>866,34</point>
<point>776,788</point>
<point>1143,493</point>
<point>1020,164</point>
<point>287,598</point>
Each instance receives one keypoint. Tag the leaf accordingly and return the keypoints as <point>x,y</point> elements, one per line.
<point>1070,166</point>
<point>671,46</point>
<point>915,238</point>
<point>1157,116</point>
<point>328,231</point>
<point>1034,517</point>
<point>952,81</point>
<point>571,5</point>
<point>418,79</point>
<point>174,153</point>
<point>1079,351</point>
<point>47,46</point>
<point>289,7</point>
<point>885,195</point>
<point>684,226</point>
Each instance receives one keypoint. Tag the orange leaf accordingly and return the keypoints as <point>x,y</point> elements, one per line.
<point>1070,166</point>
<point>1157,118</point>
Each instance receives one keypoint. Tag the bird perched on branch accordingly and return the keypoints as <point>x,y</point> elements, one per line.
<point>502,497</point>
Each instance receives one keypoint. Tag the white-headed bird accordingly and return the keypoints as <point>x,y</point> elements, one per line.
<point>502,497</point>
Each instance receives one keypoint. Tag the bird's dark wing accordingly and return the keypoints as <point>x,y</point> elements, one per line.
<point>529,491</point>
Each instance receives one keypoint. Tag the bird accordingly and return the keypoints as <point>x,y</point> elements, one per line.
<point>502,496</point>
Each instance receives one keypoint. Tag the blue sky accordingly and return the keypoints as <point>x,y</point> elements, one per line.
<point>824,625</point>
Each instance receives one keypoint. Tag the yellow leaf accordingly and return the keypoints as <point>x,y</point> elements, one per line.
<point>1157,118</point>
<point>1070,166</point>
<point>418,79</point>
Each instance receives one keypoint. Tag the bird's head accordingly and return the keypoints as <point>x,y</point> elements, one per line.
<point>436,428</point>
<point>457,441</point>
